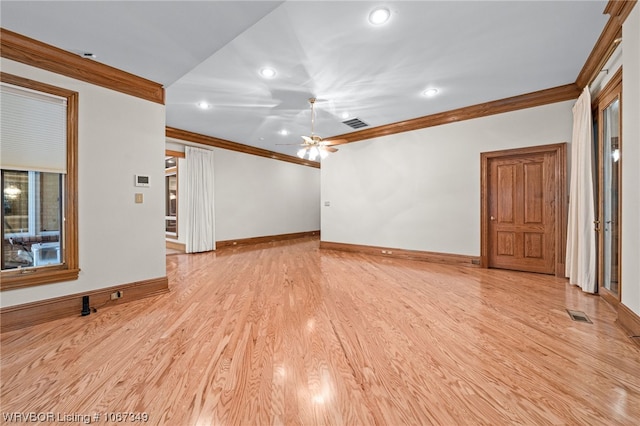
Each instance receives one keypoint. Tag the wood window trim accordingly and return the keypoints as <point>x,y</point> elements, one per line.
<point>560,150</point>
<point>612,88</point>
<point>69,269</point>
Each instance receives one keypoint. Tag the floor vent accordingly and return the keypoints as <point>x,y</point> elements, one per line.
<point>355,123</point>
<point>579,316</point>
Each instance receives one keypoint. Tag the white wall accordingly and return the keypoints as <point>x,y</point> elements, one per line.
<point>257,196</point>
<point>120,242</point>
<point>631,161</point>
<point>420,190</point>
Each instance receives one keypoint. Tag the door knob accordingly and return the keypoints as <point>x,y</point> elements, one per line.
<point>492,218</point>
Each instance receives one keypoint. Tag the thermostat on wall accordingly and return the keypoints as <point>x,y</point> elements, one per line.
<point>142,180</point>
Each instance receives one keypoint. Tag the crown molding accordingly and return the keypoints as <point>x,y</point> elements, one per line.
<point>529,100</point>
<point>619,9</point>
<point>618,12</point>
<point>185,135</point>
<point>35,53</point>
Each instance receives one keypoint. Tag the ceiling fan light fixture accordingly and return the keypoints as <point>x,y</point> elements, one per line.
<point>313,145</point>
<point>313,153</point>
<point>267,72</point>
<point>379,16</point>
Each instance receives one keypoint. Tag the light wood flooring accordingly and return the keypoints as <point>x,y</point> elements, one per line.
<point>283,333</point>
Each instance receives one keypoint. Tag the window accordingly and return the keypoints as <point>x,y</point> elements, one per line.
<point>171,196</point>
<point>32,210</point>
<point>39,183</point>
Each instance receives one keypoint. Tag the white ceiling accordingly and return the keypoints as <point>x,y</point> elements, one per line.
<point>471,51</point>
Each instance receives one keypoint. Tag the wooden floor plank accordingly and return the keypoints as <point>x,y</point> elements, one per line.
<point>284,333</point>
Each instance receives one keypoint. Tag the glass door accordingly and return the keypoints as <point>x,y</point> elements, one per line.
<point>171,197</point>
<point>609,191</point>
<point>611,196</point>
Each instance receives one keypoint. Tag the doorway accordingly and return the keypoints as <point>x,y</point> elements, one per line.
<point>523,209</point>
<point>608,216</point>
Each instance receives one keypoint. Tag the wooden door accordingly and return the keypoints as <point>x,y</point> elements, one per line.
<point>521,226</point>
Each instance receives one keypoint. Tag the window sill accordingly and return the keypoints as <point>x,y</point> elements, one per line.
<point>45,275</point>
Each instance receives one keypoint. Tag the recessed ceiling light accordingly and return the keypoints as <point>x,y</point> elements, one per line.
<point>284,132</point>
<point>344,115</point>
<point>203,105</point>
<point>379,16</point>
<point>268,72</point>
<point>430,92</point>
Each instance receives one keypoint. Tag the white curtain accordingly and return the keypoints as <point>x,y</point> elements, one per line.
<point>199,200</point>
<point>581,239</point>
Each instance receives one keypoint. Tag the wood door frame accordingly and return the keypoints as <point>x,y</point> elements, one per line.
<point>611,92</point>
<point>560,152</point>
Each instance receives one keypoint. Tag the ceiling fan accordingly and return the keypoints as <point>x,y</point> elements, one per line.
<point>313,145</point>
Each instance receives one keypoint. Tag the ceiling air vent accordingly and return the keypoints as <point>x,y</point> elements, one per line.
<point>355,123</point>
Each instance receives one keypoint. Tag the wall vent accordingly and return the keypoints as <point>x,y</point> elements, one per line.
<point>355,123</point>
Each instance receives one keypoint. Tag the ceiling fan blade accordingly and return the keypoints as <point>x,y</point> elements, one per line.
<point>334,141</point>
<point>330,149</point>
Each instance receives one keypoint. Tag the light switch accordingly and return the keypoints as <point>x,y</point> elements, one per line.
<point>139,198</point>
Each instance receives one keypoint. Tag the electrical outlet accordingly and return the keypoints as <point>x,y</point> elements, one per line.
<point>117,295</point>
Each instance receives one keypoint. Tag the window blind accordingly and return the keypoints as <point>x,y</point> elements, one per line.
<point>33,130</point>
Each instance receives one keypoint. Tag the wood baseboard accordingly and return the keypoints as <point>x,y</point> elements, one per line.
<point>629,321</point>
<point>265,239</point>
<point>28,314</point>
<point>609,297</point>
<point>425,256</point>
<point>174,245</point>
